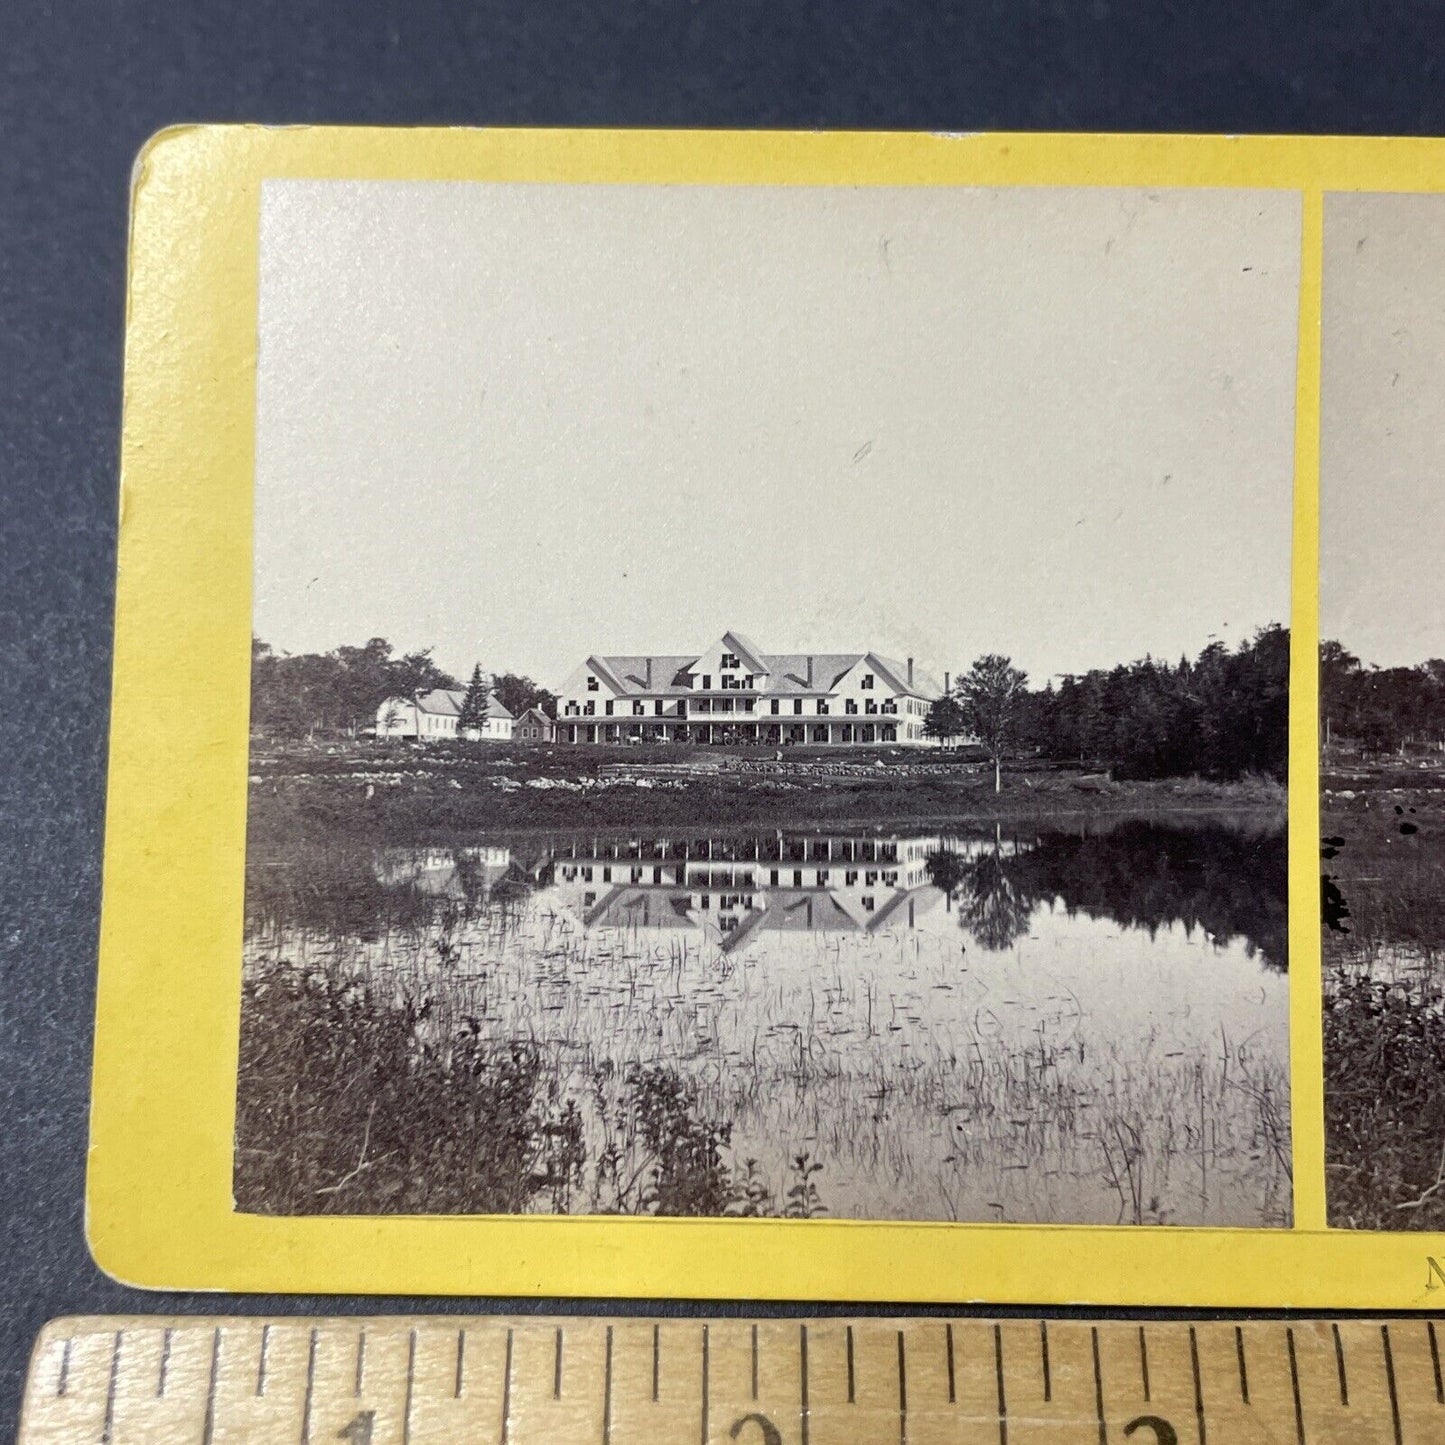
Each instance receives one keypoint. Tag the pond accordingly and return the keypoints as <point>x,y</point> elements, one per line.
<point>1076,1024</point>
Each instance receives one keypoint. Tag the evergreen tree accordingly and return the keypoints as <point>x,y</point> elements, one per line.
<point>475,706</point>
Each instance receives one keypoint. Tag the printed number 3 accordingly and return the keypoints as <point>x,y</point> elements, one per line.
<point>359,1430</point>
<point>1164,1432</point>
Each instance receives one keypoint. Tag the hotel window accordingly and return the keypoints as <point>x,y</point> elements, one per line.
<point>657,708</point>
<point>774,707</point>
<point>798,707</point>
<point>638,709</point>
<point>870,706</point>
<point>850,706</point>
<point>609,707</point>
<point>730,661</point>
<point>747,704</point>
<point>820,735</point>
<point>707,682</point>
<point>867,681</point>
<point>869,903</point>
<point>822,707</point>
<point>590,708</point>
<point>591,684</point>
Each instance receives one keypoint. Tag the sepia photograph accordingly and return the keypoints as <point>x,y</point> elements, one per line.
<point>1382,709</point>
<point>773,701</point>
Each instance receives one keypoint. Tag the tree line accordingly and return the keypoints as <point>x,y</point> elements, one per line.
<point>1221,715</point>
<point>1380,709</point>
<point>308,694</point>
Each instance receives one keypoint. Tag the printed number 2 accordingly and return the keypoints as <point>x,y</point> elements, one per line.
<point>771,1435</point>
<point>359,1430</point>
<point>1164,1432</point>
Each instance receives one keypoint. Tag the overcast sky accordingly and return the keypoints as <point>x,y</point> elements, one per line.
<point>1382,444</point>
<point>522,423</point>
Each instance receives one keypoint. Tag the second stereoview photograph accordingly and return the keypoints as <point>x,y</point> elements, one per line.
<point>1382,709</point>
<point>771,701</point>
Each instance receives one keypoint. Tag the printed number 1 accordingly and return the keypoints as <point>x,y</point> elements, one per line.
<point>359,1430</point>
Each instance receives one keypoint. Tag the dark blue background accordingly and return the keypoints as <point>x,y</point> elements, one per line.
<point>82,85</point>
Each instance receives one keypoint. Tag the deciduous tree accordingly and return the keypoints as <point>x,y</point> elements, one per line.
<point>991,694</point>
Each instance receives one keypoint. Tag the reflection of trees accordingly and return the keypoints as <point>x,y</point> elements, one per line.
<point>1224,881</point>
<point>991,905</point>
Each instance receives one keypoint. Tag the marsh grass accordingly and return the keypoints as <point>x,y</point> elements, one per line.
<point>490,1054</point>
<point>1384,1002</point>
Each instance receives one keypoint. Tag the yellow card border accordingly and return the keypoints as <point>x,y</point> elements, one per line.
<point>159,1209</point>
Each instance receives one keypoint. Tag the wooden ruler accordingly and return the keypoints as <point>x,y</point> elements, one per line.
<point>384,1381</point>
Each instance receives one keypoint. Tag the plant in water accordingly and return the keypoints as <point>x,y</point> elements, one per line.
<point>804,1201</point>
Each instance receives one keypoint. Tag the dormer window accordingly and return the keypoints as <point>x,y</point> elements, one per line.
<point>591,684</point>
<point>867,681</point>
<point>730,662</point>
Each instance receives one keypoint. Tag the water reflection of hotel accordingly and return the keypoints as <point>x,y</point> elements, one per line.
<point>728,887</point>
<point>733,888</point>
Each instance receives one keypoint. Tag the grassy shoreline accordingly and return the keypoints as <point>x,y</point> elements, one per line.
<point>434,795</point>
<point>1384,995</point>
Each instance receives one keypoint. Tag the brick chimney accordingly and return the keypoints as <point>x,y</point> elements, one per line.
<point>946,677</point>
<point>910,672</point>
<point>649,674</point>
<point>810,671</point>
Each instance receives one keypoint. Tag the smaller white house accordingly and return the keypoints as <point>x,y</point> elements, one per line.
<point>432,717</point>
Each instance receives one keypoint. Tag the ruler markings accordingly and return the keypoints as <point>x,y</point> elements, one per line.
<point>803,1383</point>
<point>607,1389</point>
<point>507,1387</point>
<point>1099,1387</point>
<point>126,1369</point>
<point>1390,1381</point>
<point>62,1379</point>
<point>163,1370</point>
<point>1299,1409</point>
<point>1002,1394</point>
<point>1144,1364</point>
<point>902,1391</point>
<point>107,1428</point>
<point>705,1373</point>
<point>410,1387</point>
<point>1198,1383</point>
<point>310,1389</point>
<point>208,1428</point>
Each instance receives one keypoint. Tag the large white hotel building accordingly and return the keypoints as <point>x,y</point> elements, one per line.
<point>734,692</point>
